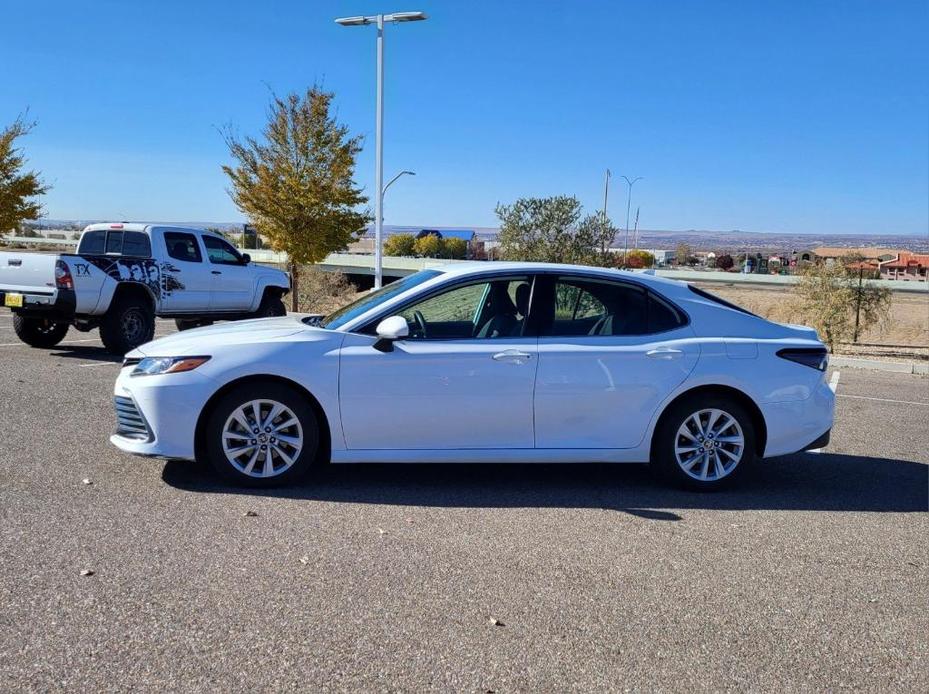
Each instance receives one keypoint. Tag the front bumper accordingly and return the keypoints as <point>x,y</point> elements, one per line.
<point>169,405</point>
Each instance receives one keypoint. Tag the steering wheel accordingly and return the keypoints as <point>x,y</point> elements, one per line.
<point>420,322</point>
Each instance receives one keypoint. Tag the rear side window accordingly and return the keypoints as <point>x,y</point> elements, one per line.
<point>601,308</point>
<point>717,300</point>
<point>134,244</point>
<point>183,246</point>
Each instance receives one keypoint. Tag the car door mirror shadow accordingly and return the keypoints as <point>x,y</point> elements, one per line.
<point>799,482</point>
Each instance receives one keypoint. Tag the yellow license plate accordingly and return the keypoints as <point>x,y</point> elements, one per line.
<point>13,300</point>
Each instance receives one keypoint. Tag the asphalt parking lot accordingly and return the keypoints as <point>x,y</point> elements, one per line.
<point>813,574</point>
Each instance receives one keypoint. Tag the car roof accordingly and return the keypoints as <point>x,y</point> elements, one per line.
<point>478,267</point>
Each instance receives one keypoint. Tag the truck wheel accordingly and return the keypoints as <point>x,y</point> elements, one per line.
<point>128,324</point>
<point>187,324</point>
<point>39,332</point>
<point>271,306</point>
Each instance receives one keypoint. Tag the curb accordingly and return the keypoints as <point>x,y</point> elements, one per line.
<point>900,367</point>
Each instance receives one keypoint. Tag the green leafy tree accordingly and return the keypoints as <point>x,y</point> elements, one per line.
<point>552,230</point>
<point>454,248</point>
<point>400,245</point>
<point>682,254</point>
<point>428,246</point>
<point>296,183</point>
<point>833,299</point>
<point>19,189</point>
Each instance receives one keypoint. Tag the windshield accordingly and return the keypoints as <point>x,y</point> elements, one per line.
<point>340,317</point>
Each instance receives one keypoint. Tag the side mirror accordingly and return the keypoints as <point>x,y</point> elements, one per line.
<point>246,258</point>
<point>389,330</point>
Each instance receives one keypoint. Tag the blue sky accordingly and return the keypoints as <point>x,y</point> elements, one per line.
<point>763,116</point>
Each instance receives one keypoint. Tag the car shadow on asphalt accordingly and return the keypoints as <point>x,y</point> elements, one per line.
<point>85,352</point>
<point>800,482</point>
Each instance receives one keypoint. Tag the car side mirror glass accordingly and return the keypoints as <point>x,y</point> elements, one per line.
<point>246,258</point>
<point>389,330</point>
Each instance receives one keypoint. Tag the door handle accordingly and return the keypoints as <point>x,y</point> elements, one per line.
<point>664,353</point>
<point>216,272</point>
<point>513,355</point>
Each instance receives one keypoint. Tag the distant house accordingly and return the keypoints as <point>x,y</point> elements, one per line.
<point>868,254</point>
<point>906,266</point>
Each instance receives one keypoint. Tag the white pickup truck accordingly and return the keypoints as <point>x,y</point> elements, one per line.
<point>123,275</point>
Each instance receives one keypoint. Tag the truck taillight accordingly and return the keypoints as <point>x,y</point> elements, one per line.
<point>63,279</point>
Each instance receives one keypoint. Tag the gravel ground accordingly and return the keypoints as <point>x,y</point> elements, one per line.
<point>812,575</point>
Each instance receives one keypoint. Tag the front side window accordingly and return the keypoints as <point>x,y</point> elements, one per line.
<point>220,252</point>
<point>483,310</point>
<point>372,300</point>
<point>600,308</point>
<point>182,246</point>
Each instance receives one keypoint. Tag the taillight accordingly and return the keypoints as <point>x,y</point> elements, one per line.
<point>63,279</point>
<point>814,357</point>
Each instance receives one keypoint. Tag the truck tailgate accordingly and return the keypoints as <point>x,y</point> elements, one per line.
<point>32,273</point>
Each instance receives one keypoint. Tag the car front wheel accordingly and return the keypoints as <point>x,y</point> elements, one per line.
<point>262,435</point>
<point>705,443</point>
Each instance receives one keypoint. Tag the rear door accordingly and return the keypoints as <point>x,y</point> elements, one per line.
<point>186,282</point>
<point>609,353</point>
<point>232,286</point>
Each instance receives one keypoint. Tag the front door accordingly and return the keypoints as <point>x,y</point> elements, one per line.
<point>462,380</point>
<point>232,287</point>
<point>610,352</point>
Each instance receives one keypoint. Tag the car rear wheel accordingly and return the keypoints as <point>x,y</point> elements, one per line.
<point>705,443</point>
<point>39,332</point>
<point>262,435</point>
<point>129,323</point>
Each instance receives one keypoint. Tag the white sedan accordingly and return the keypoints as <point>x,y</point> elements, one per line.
<point>486,362</point>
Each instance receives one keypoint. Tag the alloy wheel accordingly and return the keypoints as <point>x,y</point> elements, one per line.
<point>262,438</point>
<point>709,445</point>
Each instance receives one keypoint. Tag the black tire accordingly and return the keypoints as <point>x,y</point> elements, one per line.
<point>39,332</point>
<point>271,305</point>
<point>187,324</point>
<point>130,322</point>
<point>707,449</point>
<point>221,418</point>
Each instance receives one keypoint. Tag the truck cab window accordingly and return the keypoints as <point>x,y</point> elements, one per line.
<point>220,252</point>
<point>182,247</point>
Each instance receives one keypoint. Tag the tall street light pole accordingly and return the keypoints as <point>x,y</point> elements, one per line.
<point>391,181</point>
<point>379,20</point>
<point>628,205</point>
<point>606,195</point>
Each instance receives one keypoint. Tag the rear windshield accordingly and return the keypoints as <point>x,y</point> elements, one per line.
<point>133,244</point>
<point>718,300</point>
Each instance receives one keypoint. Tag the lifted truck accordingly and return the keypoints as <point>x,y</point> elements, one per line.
<point>124,275</point>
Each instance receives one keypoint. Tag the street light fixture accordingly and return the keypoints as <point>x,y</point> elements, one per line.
<point>380,20</point>
<point>402,173</point>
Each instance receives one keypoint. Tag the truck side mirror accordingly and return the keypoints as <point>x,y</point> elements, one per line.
<point>389,330</point>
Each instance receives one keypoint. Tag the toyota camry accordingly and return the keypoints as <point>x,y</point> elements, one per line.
<point>485,362</point>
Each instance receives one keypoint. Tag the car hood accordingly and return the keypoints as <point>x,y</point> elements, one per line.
<point>203,340</point>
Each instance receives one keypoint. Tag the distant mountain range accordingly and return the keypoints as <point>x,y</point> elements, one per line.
<point>697,239</point>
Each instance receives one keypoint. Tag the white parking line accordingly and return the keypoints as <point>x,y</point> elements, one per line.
<point>101,363</point>
<point>834,382</point>
<point>899,402</point>
<point>63,342</point>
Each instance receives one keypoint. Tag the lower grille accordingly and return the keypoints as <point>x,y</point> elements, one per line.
<point>129,421</point>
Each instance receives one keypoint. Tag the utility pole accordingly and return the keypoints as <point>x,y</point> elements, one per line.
<point>628,205</point>
<point>635,232</point>
<point>606,195</point>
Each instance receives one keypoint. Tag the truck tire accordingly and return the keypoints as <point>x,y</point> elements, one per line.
<point>271,305</point>
<point>129,323</point>
<point>188,324</point>
<point>39,332</point>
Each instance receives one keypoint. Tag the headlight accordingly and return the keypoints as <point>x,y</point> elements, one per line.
<point>151,366</point>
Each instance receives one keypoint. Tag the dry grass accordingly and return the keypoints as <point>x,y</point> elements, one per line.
<point>908,324</point>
